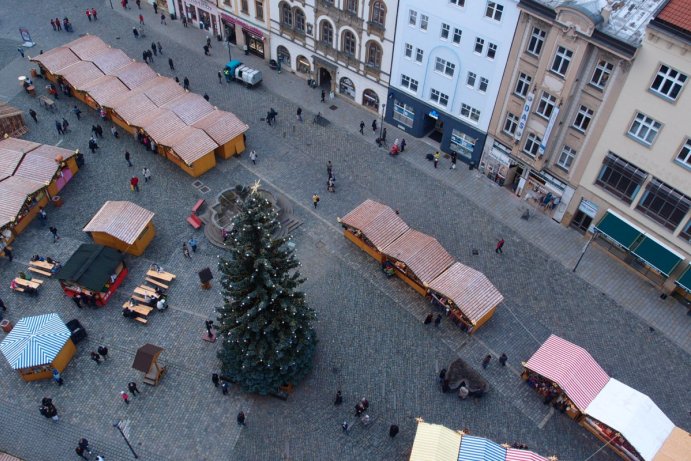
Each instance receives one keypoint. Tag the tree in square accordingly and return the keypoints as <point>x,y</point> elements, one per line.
<point>265,323</point>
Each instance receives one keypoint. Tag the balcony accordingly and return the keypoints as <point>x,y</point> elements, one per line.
<point>373,71</point>
<point>326,49</point>
<point>349,60</point>
<point>292,34</point>
<point>374,28</point>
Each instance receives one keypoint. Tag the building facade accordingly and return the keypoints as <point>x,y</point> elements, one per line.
<point>636,189</point>
<point>571,59</point>
<point>345,46</point>
<point>246,24</point>
<point>448,62</point>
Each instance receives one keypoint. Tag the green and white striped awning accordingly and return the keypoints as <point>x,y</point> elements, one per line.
<point>619,230</point>
<point>656,255</point>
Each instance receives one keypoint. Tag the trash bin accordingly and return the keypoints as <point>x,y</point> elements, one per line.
<point>57,201</point>
<point>6,326</point>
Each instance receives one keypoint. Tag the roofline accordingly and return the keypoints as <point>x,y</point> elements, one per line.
<point>539,8</point>
<point>678,32</point>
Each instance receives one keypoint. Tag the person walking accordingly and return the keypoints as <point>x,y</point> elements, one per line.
<point>502,359</point>
<point>253,156</point>
<point>428,319</point>
<point>500,245</point>
<point>362,127</point>
<point>214,379</point>
<point>160,48</point>
<point>225,387</point>
<point>94,14</point>
<point>186,251</point>
<point>96,358</point>
<point>99,131</point>
<point>339,398</point>
<point>32,113</point>
<point>486,361</point>
<point>437,321</point>
<point>127,159</point>
<point>403,143</point>
<point>57,378</point>
<point>135,32</point>
<point>54,230</point>
<point>155,8</point>
<point>52,23</point>
<point>154,49</point>
<point>125,397</point>
<point>241,418</point>
<point>132,387</point>
<point>163,19</point>
<point>77,299</point>
<point>57,24</point>
<point>192,242</point>
<point>206,97</point>
<point>84,444</point>
<point>146,173</point>
<point>103,351</point>
<point>58,126</point>
<point>134,184</point>
<point>79,450</point>
<point>93,145</point>
<point>186,83</point>
<point>436,158</point>
<point>329,169</point>
<point>454,157</point>
<point>393,430</point>
<point>141,19</point>
<point>315,200</point>
<point>77,112</point>
<point>206,50</point>
<point>114,132</point>
<point>220,77</point>
<point>88,14</point>
<point>65,125</point>
<point>374,125</point>
<point>298,114</point>
<point>139,4</point>
<point>170,64</point>
<point>323,96</point>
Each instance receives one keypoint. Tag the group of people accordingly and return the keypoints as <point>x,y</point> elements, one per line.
<point>57,26</point>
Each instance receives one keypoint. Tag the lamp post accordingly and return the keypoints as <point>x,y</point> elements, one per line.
<point>381,124</point>
<point>116,425</point>
<point>229,57</point>
<point>585,248</point>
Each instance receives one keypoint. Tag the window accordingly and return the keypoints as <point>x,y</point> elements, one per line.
<point>583,118</point>
<point>287,14</point>
<point>494,11</point>
<point>668,82</point>
<point>370,99</point>
<point>349,43</point>
<point>479,45</point>
<point>374,54</point>
<point>510,124</point>
<point>601,74</point>
<point>351,6</point>
<point>532,144</point>
<point>462,144</point>
<point>403,113</point>
<point>445,29</point>
<point>408,50</point>
<point>470,81</point>
<point>412,17</point>
<point>457,33</point>
<point>566,158</point>
<point>299,20</point>
<point>327,33</point>
<point>460,3</point>
<point>283,56</point>
<point>523,85</point>
<point>684,156</point>
<point>546,105</point>
<point>419,55</point>
<point>537,39</point>
<point>483,84</point>
<point>470,113</point>
<point>445,67</point>
<point>243,6</point>
<point>378,13</point>
<point>424,21</point>
<point>347,88</point>
<point>409,83</point>
<point>491,50</point>
<point>620,178</point>
<point>663,204</point>
<point>561,61</point>
<point>439,97</point>
<point>259,9</point>
<point>685,234</point>
<point>644,128</point>
<point>303,65</point>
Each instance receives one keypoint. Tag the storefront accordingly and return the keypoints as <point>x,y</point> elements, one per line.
<point>202,14</point>
<point>584,216</point>
<point>546,192</point>
<point>683,283</point>
<point>252,37</point>
<point>498,165</point>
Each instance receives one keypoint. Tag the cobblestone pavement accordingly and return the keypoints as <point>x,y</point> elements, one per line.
<point>372,341</point>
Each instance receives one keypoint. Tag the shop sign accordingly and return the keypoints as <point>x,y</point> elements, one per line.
<point>434,114</point>
<point>250,29</point>
<point>500,153</point>
<point>588,208</point>
<point>548,131</point>
<point>201,4</point>
<point>523,121</point>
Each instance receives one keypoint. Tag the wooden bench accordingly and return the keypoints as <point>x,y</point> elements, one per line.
<point>34,283</point>
<point>197,206</point>
<point>144,290</point>
<point>157,283</point>
<point>194,221</point>
<point>42,265</point>
<point>141,320</point>
<point>165,276</point>
<point>40,271</point>
<point>141,309</point>
<point>46,102</point>
<point>136,297</point>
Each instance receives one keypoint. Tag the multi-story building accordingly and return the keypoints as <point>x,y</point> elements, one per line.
<point>343,45</point>
<point>448,63</point>
<point>636,189</point>
<point>199,13</point>
<point>246,24</point>
<point>569,61</point>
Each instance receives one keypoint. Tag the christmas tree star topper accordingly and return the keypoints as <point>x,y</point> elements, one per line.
<point>255,186</point>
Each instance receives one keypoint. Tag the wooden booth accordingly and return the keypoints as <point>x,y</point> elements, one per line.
<point>79,76</point>
<point>146,361</point>
<point>372,226</point>
<point>50,165</point>
<point>565,374</point>
<point>226,130</point>
<point>20,201</point>
<point>104,93</point>
<point>38,345</point>
<point>94,271</point>
<point>53,61</point>
<point>123,226</point>
<point>11,121</point>
<point>469,296</point>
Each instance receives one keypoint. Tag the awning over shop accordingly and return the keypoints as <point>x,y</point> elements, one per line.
<point>634,415</point>
<point>618,229</point>
<point>657,255</point>
<point>434,442</point>
<point>515,454</point>
<point>91,266</point>
<point>685,280</point>
<point>677,447</point>
<point>479,449</point>
<point>571,367</point>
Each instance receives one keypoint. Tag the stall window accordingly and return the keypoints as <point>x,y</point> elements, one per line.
<point>620,178</point>
<point>403,113</point>
<point>663,204</point>
<point>303,65</point>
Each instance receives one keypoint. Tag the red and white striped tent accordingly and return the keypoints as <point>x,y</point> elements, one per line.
<point>572,368</point>
<point>515,454</point>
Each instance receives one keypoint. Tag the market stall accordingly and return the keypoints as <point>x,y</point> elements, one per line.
<point>434,442</point>
<point>191,149</point>
<point>373,226</point>
<point>676,447</point>
<point>160,90</point>
<point>50,165</point>
<point>146,361</point>
<point>478,448</point>
<point>38,345</point>
<point>94,271</point>
<point>20,201</point>
<point>11,121</point>
<point>565,375</point>
<point>226,130</point>
<point>109,60</point>
<point>190,107</point>
<point>123,226</point>
<point>104,92</point>
<point>131,113</point>
<point>53,61</point>
<point>87,46</point>
<point>80,76</point>
<point>469,296</point>
<point>134,74</point>
<point>629,421</point>
<point>417,259</point>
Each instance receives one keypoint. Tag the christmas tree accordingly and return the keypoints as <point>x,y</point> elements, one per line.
<point>265,323</point>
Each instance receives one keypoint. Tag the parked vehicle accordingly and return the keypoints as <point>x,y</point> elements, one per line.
<point>236,70</point>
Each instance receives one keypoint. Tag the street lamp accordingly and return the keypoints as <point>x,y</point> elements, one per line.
<point>228,43</point>
<point>381,125</point>
<point>116,425</point>
<point>584,250</point>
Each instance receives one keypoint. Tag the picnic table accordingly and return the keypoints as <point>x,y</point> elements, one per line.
<point>144,290</point>
<point>141,309</point>
<point>162,275</point>
<point>42,267</point>
<point>47,102</point>
<point>20,284</point>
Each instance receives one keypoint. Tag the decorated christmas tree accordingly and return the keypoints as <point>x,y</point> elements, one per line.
<point>265,323</point>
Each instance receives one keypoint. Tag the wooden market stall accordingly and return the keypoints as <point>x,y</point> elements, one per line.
<point>132,113</point>
<point>226,130</point>
<point>86,46</point>
<point>94,271</point>
<point>191,149</point>
<point>146,361</point>
<point>134,74</point>
<point>190,107</point>
<point>104,93</point>
<point>160,90</point>
<point>434,442</point>
<point>468,294</point>
<point>123,226</point>
<point>79,76</point>
<point>11,121</point>
<point>20,201</point>
<point>53,61</point>
<point>109,59</point>
<point>565,374</point>
<point>676,447</point>
<point>417,259</point>
<point>50,165</point>
<point>38,345</point>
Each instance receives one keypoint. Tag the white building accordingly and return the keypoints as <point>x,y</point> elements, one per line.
<point>448,62</point>
<point>344,45</point>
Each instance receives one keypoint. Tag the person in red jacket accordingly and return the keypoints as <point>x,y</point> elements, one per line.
<point>88,14</point>
<point>134,183</point>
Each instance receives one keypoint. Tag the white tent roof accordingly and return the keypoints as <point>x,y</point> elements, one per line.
<point>634,415</point>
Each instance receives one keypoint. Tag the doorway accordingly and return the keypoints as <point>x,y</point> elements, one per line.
<point>581,222</point>
<point>324,78</point>
<point>230,33</point>
<point>437,132</point>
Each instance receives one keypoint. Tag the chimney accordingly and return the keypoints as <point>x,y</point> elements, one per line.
<point>606,12</point>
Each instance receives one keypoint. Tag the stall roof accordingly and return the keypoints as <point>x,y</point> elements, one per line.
<point>515,454</point>
<point>423,254</point>
<point>9,161</point>
<point>480,449</point>
<point>41,164</point>
<point>378,223</point>
<point>56,59</point>
<point>123,220</point>
<point>634,415</point>
<point>190,107</point>
<point>35,341</point>
<point>11,204</point>
<point>134,74</point>
<point>165,127</point>
<point>87,46</point>
<point>106,90</point>
<point>90,266</point>
<point>145,357</point>
<point>434,442</point>
<point>81,74</point>
<point>19,185</point>
<point>137,111</point>
<point>109,60</point>
<point>571,367</point>
<point>469,289</point>
<point>221,126</point>
<point>18,145</point>
<point>192,144</point>
<point>160,90</point>
<point>676,448</point>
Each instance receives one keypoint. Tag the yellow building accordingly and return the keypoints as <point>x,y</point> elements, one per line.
<point>123,226</point>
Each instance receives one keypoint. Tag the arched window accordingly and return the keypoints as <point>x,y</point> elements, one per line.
<point>349,43</point>
<point>374,54</point>
<point>347,88</point>
<point>299,20</point>
<point>302,65</point>
<point>283,55</point>
<point>287,15</point>
<point>378,12</point>
<point>370,99</point>
<point>327,33</point>
<point>350,6</point>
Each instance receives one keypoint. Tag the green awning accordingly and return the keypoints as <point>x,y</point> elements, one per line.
<point>619,230</point>
<point>685,280</point>
<point>657,255</point>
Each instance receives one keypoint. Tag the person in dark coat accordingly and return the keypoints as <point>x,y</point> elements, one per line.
<point>154,49</point>
<point>339,398</point>
<point>486,361</point>
<point>186,83</point>
<point>132,387</point>
<point>428,319</point>
<point>241,418</point>
<point>96,358</point>
<point>393,430</point>
<point>103,352</point>
<point>214,379</point>
<point>502,359</point>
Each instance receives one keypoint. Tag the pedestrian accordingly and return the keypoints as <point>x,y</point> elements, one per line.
<point>428,319</point>
<point>154,49</point>
<point>65,125</point>
<point>163,19</point>
<point>214,379</point>
<point>7,251</point>
<point>184,21</point>
<point>403,143</point>
<point>437,156</point>
<point>141,19</point>
<point>93,13</point>
<point>2,305</point>
<point>58,126</point>
<point>206,50</point>
<point>77,299</point>
<point>383,135</point>
<point>486,361</point>
<point>224,388</point>
<point>329,169</point>
<point>79,450</point>
<point>57,378</point>
<point>500,245</point>
<point>345,426</point>
<point>442,375</point>
<point>53,230</point>
<point>93,145</point>
<point>206,97</point>
<point>437,321</point>
<point>88,14</point>
<point>132,387</point>
<point>241,418</point>
<point>139,4</point>
<point>502,359</point>
<point>145,55</point>
<point>192,242</point>
<point>151,56</point>
<point>114,132</point>
<point>186,83</point>
<point>339,398</point>
<point>135,31</point>
<point>454,157</point>
<point>253,156</point>
<point>127,159</point>
<point>96,358</point>
<point>393,430</point>
<point>362,127</point>
<point>103,351</point>
<point>57,24</point>
<point>186,251</point>
<point>323,96</point>
<point>125,397</point>
<point>21,51</point>
<point>170,64</point>
<point>160,48</point>
<point>155,8</point>
<point>315,200</point>
<point>134,184</point>
<point>77,112</point>
<point>52,23</point>
<point>83,443</point>
<point>299,114</point>
<point>32,113</point>
<point>146,173</point>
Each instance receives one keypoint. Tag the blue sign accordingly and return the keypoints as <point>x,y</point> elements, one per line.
<point>434,114</point>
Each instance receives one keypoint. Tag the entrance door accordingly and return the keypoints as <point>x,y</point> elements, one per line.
<point>581,221</point>
<point>437,132</point>
<point>324,78</point>
<point>230,33</point>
